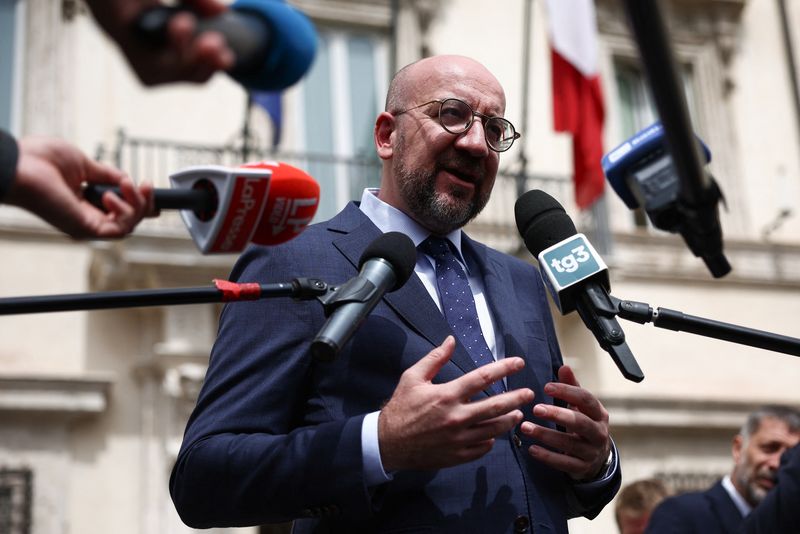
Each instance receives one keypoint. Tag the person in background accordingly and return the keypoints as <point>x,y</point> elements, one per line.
<point>779,511</point>
<point>757,449</point>
<point>635,502</point>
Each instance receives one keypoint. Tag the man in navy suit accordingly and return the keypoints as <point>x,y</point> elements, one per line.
<point>757,449</point>
<point>401,433</point>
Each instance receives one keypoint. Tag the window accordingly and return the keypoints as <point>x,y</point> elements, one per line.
<point>341,97</point>
<point>16,488</point>
<point>10,48</point>
<point>636,107</point>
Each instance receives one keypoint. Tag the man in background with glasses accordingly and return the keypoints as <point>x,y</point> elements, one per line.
<point>441,413</point>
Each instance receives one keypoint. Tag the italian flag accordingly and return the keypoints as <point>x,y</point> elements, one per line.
<point>577,96</point>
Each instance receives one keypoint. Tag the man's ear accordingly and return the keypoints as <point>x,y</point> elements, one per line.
<point>384,138</point>
<point>736,449</point>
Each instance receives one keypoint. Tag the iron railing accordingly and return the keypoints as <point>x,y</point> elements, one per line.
<point>341,179</point>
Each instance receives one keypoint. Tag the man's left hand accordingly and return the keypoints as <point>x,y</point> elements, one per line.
<point>582,449</point>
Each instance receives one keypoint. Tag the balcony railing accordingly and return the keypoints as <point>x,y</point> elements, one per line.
<point>341,179</point>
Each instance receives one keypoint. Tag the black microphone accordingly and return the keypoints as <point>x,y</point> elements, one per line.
<point>574,273</point>
<point>698,196</point>
<point>643,173</point>
<point>273,43</point>
<point>385,265</point>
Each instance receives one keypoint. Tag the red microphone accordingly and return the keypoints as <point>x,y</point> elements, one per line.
<point>226,208</point>
<point>291,204</point>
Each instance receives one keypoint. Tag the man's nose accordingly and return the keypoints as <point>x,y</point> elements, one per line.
<point>473,140</point>
<point>774,460</point>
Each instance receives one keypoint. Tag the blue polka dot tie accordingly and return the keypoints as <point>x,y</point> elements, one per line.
<point>458,304</point>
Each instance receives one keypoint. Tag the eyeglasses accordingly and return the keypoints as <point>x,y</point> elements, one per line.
<point>457,117</point>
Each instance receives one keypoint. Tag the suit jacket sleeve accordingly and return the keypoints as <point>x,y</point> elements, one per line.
<point>251,453</point>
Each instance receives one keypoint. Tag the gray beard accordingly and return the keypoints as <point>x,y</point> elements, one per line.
<point>433,210</point>
<point>753,494</point>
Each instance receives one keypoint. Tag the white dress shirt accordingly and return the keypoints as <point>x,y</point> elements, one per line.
<point>389,219</point>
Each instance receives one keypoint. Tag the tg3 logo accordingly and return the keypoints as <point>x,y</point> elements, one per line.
<point>570,262</point>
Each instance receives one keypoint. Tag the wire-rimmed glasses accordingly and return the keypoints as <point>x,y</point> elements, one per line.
<point>456,117</point>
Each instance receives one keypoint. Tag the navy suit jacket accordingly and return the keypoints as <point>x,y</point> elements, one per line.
<point>276,436</point>
<point>707,512</point>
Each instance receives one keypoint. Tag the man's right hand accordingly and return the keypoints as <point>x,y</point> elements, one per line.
<point>431,426</point>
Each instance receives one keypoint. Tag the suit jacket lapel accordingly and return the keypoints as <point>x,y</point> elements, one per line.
<point>724,508</point>
<point>412,301</point>
<point>500,296</point>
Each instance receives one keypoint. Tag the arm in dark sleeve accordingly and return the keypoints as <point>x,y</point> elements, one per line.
<point>589,498</point>
<point>780,509</point>
<point>260,447</point>
<point>671,517</point>
<point>9,155</point>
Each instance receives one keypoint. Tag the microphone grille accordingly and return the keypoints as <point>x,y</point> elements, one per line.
<point>541,221</point>
<point>397,249</point>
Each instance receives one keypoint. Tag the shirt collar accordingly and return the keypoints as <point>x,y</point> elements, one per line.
<point>738,500</point>
<point>390,219</point>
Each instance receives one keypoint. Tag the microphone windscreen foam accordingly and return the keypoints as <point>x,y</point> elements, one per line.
<point>292,202</point>
<point>397,249</point>
<point>541,221</point>
<point>291,49</point>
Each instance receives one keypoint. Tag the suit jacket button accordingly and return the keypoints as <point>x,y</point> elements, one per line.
<point>517,441</point>
<point>521,524</point>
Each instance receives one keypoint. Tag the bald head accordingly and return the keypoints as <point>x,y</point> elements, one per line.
<point>410,83</point>
<point>439,178</point>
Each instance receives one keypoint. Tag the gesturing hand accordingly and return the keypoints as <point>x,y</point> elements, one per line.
<point>430,426</point>
<point>586,443</point>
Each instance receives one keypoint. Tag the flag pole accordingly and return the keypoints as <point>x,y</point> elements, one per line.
<point>526,46</point>
<point>246,129</point>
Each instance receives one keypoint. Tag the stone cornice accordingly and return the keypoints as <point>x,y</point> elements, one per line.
<point>372,14</point>
<point>661,413</point>
<point>61,396</point>
<point>666,258</point>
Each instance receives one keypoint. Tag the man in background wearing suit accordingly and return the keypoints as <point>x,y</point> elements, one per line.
<point>407,430</point>
<point>757,449</point>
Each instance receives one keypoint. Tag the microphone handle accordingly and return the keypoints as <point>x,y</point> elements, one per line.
<point>247,35</point>
<point>598,311</point>
<point>198,200</point>
<point>350,305</point>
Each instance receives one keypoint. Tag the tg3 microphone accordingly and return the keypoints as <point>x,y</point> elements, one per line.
<point>575,275</point>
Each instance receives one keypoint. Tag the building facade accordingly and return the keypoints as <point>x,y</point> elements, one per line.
<point>93,404</point>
